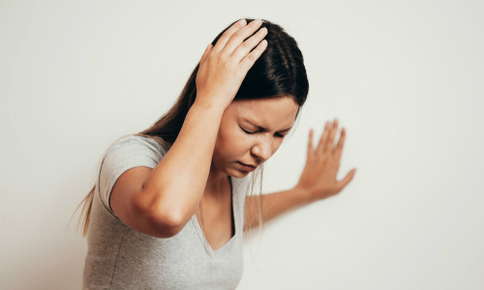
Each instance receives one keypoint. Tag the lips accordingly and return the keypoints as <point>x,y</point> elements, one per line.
<point>253,166</point>
<point>246,167</point>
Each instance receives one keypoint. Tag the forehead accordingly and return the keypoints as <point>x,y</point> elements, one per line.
<point>270,112</point>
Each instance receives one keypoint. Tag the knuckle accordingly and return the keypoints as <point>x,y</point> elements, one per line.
<point>235,37</point>
<point>227,65</point>
<point>221,55</point>
<point>242,50</point>
<point>245,46</point>
<point>224,58</point>
<point>240,35</point>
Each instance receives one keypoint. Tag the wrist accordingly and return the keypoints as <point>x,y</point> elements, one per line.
<point>205,112</point>
<point>206,104</point>
<point>306,195</point>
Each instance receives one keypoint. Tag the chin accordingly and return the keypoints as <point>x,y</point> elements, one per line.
<point>241,173</point>
<point>234,172</point>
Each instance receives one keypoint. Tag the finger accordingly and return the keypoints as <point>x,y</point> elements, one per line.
<point>340,145</point>
<point>238,37</point>
<point>349,176</point>
<point>205,53</point>
<point>330,140</point>
<point>242,50</point>
<point>224,38</point>
<point>309,152</point>
<point>323,138</point>
<point>251,58</point>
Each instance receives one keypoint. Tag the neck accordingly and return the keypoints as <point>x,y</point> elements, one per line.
<point>217,184</point>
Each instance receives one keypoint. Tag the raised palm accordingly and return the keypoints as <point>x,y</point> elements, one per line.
<point>318,178</point>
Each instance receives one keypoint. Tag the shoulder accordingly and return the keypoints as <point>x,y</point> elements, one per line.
<point>138,144</point>
<point>133,150</point>
<point>124,153</point>
<point>134,141</point>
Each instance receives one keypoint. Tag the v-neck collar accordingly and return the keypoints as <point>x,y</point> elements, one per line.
<point>234,214</point>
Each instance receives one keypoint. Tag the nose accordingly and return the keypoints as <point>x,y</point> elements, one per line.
<point>262,150</point>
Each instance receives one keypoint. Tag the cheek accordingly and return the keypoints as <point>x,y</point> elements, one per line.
<point>234,142</point>
<point>225,140</point>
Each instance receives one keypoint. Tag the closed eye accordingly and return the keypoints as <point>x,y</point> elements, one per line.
<point>250,132</point>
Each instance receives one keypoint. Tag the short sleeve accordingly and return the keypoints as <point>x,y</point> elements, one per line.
<point>124,154</point>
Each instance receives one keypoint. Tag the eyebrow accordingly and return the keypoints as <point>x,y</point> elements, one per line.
<point>262,128</point>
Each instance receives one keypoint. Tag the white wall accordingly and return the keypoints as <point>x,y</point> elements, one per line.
<point>404,78</point>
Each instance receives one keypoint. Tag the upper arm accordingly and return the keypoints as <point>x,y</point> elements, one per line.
<point>124,204</point>
<point>124,170</point>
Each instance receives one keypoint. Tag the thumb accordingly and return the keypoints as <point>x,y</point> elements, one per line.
<point>349,176</point>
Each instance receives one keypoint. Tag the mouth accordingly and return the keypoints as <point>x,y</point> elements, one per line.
<point>246,167</point>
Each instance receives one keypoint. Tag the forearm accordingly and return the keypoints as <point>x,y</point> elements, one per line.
<point>176,185</point>
<point>273,205</point>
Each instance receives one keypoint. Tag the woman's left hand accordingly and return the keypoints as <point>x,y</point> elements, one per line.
<point>318,178</point>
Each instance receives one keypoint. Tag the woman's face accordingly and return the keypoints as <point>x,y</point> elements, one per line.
<point>250,132</point>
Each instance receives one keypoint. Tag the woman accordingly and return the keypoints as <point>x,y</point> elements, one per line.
<point>169,208</point>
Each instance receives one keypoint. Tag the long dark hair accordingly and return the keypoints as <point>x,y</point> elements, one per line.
<point>278,72</point>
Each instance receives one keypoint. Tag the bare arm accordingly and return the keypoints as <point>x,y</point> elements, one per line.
<point>273,205</point>
<point>176,185</point>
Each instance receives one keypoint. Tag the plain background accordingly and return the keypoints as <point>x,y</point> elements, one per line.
<point>404,78</point>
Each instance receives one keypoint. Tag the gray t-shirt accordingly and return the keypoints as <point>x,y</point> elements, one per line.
<point>120,257</point>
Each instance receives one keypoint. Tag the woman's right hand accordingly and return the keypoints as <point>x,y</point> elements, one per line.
<point>224,66</point>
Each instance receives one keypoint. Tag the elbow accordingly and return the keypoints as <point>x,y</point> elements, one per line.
<point>165,222</point>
